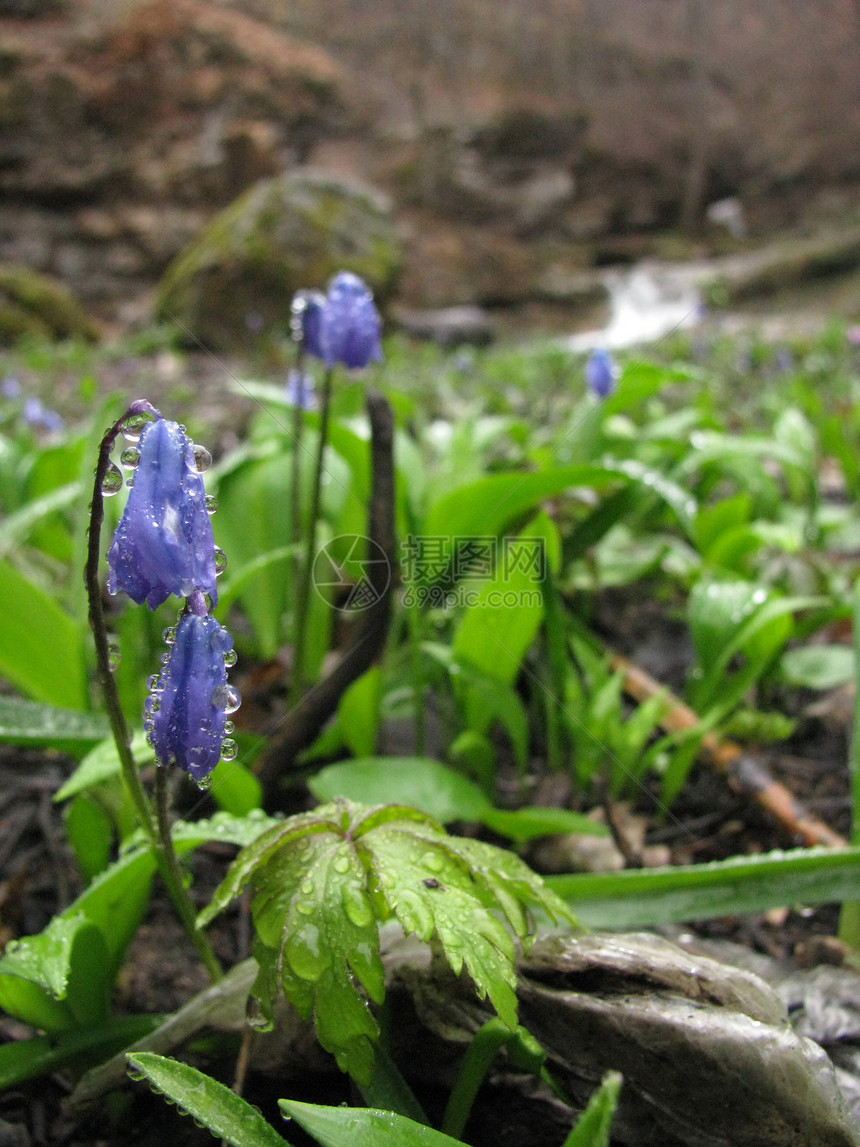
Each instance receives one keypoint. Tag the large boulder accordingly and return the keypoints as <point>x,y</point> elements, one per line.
<point>233,284</point>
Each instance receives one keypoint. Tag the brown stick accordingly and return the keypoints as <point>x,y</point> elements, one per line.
<point>305,722</point>
<point>746,775</point>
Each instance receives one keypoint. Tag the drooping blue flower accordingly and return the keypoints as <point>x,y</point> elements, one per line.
<point>349,325</point>
<point>39,417</point>
<point>163,544</point>
<point>186,713</point>
<point>601,373</point>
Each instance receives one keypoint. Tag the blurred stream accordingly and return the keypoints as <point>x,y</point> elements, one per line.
<point>647,301</point>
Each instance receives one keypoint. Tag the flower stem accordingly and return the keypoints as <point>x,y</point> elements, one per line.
<point>303,589</point>
<point>162,846</point>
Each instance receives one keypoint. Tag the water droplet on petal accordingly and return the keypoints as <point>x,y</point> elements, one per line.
<point>130,481</point>
<point>230,658</point>
<point>221,641</point>
<point>199,458</point>
<point>204,783</point>
<point>211,503</point>
<point>229,728</point>
<point>255,1018</point>
<point>168,636</point>
<point>229,749</point>
<point>132,427</point>
<point>227,698</point>
<point>130,458</point>
<point>112,481</point>
<point>220,561</point>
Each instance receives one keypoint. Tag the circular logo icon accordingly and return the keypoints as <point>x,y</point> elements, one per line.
<point>351,572</point>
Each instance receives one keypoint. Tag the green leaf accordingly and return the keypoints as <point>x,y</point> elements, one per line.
<point>42,651</point>
<point>101,764</point>
<point>818,666</point>
<point>235,789</point>
<point>225,1114</point>
<point>642,897</point>
<point>594,1125</point>
<point>441,793</point>
<point>17,527</point>
<point>29,1058</point>
<point>90,832</point>
<point>23,722</point>
<point>362,1127</point>
<point>427,785</point>
<point>359,712</point>
<point>485,507</point>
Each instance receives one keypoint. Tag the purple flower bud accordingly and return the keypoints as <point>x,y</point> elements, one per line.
<point>300,390</point>
<point>38,417</point>
<point>349,325</point>
<point>306,309</point>
<point>600,373</point>
<point>163,543</point>
<point>186,712</point>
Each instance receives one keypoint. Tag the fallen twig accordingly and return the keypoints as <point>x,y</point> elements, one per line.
<point>746,775</point>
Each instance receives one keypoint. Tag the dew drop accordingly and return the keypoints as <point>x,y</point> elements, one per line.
<point>165,657</point>
<point>221,641</point>
<point>130,481</point>
<point>255,1019</point>
<point>306,907</point>
<point>433,861</point>
<point>130,458</point>
<point>229,728</point>
<point>211,503</point>
<point>227,698</point>
<point>307,888</point>
<point>230,658</point>
<point>114,656</point>
<point>356,905</point>
<point>341,864</point>
<point>204,783</point>
<point>137,1074</point>
<point>414,915</point>
<point>112,481</point>
<point>303,953</point>
<point>220,561</point>
<point>168,636</point>
<point>229,749</point>
<point>153,683</point>
<point>132,427</point>
<point>198,458</point>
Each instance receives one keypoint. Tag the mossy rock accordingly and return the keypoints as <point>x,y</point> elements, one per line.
<point>233,284</point>
<point>38,306</point>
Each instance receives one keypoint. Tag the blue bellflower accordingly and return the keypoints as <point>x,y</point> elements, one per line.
<point>346,328</point>
<point>600,373</point>
<point>163,544</point>
<point>186,712</point>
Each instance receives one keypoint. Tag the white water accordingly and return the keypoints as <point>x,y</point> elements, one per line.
<point>647,302</point>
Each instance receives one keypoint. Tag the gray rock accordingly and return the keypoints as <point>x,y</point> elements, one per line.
<point>281,235</point>
<point>449,326</point>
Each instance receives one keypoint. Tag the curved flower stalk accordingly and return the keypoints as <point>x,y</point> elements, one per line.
<point>163,544</point>
<point>187,709</point>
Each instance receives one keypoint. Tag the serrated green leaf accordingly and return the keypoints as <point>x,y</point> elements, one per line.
<point>256,853</point>
<point>226,1115</point>
<point>314,918</point>
<point>431,891</point>
<point>25,721</point>
<point>362,1127</point>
